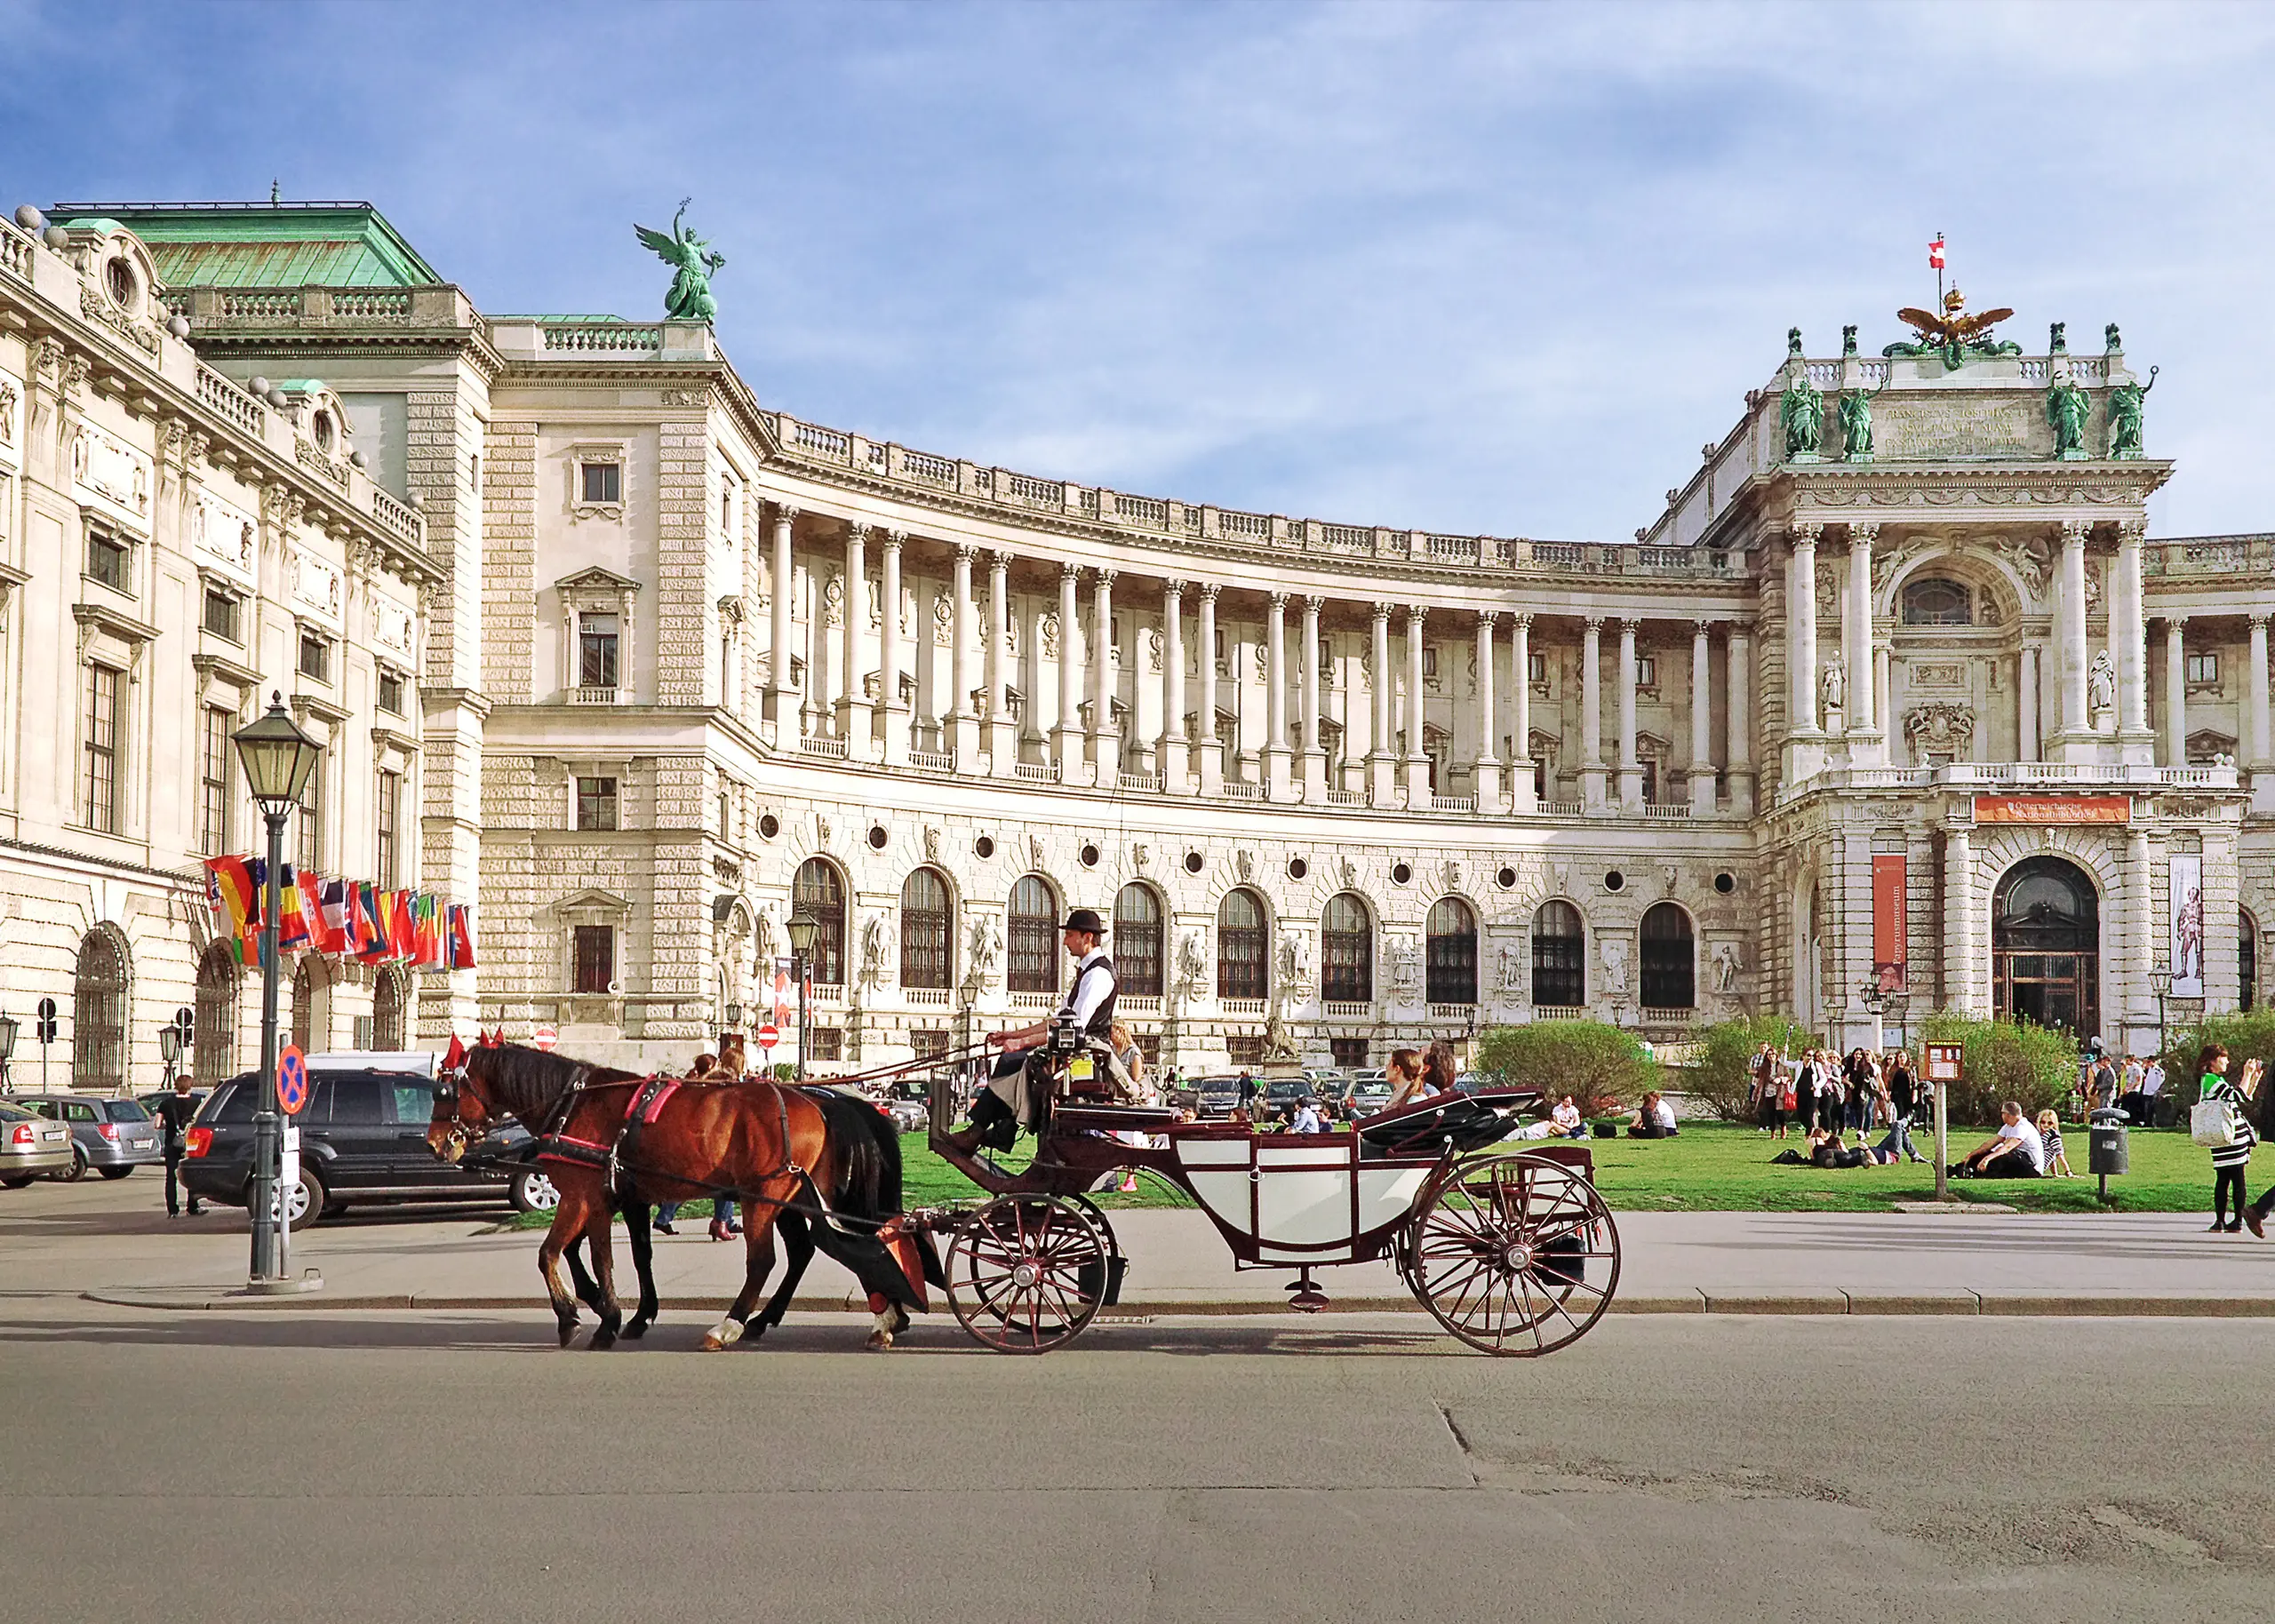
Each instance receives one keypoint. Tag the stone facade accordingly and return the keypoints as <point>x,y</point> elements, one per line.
<point>682,648</point>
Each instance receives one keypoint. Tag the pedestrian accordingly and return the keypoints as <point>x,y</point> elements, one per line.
<point>1903,1101</point>
<point>1831,1089</point>
<point>1247,1092</point>
<point>2229,1160</point>
<point>175,1112</point>
<point>1804,1091</point>
<point>1768,1090</point>
<point>2050,1134</point>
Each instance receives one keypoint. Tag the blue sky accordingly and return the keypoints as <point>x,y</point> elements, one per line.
<point>1456,268</point>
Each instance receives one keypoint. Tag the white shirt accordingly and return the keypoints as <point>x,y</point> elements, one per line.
<point>1565,1116</point>
<point>1663,1113</point>
<point>2033,1146</point>
<point>1088,991</point>
<point>2154,1080</point>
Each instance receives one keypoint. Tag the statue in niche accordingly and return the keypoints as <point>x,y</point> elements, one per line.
<point>1295,961</point>
<point>1856,425</point>
<point>761,933</point>
<point>2101,684</point>
<point>2067,409</point>
<point>694,262</point>
<point>1513,962</point>
<point>2126,406</point>
<point>876,947</point>
<point>1800,413</point>
<point>1836,686</point>
<point>1726,969</point>
<point>1615,966</point>
<point>1192,965</point>
<point>986,947</point>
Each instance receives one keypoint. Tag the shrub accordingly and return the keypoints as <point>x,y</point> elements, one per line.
<point>1723,1074</point>
<point>2249,1035</point>
<point>1601,1067</point>
<point>2036,1066</point>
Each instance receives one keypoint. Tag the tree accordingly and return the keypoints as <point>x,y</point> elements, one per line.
<point>1722,1080</point>
<point>2247,1035</point>
<point>2034,1066</point>
<point>1601,1067</point>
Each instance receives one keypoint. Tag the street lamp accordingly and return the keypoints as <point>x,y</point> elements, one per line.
<point>2161,983</point>
<point>7,1050</point>
<point>278,759</point>
<point>1875,1003</point>
<point>169,1049</point>
<point>801,930</point>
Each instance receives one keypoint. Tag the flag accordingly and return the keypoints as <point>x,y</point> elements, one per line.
<point>461,938</point>
<point>231,884</point>
<point>332,937</point>
<point>1936,253</point>
<point>367,929</point>
<point>402,937</point>
<point>426,932</point>
<point>310,885</point>
<point>291,924</point>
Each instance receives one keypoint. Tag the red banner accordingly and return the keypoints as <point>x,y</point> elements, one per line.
<point>1889,932</point>
<point>2053,810</point>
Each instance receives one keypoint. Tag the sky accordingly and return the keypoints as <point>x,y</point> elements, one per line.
<point>1458,267</point>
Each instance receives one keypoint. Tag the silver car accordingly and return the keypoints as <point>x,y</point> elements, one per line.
<point>30,1145</point>
<point>111,1136</point>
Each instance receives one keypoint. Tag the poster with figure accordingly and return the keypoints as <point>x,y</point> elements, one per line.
<point>2187,926</point>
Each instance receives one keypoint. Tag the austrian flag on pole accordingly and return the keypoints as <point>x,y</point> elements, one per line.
<point>1936,253</point>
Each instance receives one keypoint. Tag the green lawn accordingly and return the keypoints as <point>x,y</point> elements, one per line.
<point>1715,1167</point>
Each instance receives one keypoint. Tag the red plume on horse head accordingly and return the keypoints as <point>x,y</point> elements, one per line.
<point>454,1057</point>
<point>494,1041</point>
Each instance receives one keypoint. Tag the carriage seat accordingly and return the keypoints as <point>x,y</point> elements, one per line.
<point>1106,1119</point>
<point>1458,1122</point>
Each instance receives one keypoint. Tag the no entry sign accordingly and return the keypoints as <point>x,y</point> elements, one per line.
<point>291,1080</point>
<point>768,1035</point>
<point>545,1038</point>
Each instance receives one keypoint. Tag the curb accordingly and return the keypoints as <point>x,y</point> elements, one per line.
<point>2013,1305</point>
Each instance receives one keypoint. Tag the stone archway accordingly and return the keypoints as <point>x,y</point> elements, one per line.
<point>2046,945</point>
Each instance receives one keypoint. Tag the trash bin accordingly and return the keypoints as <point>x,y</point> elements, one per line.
<point>2109,1152</point>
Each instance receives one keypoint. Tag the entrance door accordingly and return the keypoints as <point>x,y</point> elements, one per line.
<point>2046,946</point>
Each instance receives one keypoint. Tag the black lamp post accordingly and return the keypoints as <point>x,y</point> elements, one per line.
<point>2161,983</point>
<point>7,1051</point>
<point>170,1050</point>
<point>278,759</point>
<point>1875,1003</point>
<point>801,930</point>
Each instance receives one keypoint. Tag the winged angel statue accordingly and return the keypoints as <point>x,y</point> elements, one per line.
<point>1955,335</point>
<point>695,260</point>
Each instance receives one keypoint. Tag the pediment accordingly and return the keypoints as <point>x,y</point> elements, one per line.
<point>596,579</point>
<point>591,900</point>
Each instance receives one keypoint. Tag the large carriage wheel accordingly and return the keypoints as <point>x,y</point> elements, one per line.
<point>1027,1273</point>
<point>1514,1254</point>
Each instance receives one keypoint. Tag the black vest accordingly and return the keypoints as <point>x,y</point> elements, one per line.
<point>1101,1018</point>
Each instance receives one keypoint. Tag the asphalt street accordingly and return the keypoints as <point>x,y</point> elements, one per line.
<point>455,1465</point>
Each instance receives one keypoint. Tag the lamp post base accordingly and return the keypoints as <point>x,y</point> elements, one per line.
<point>312,1280</point>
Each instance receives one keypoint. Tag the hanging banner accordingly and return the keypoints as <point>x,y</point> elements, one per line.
<point>2187,926</point>
<point>2053,810</point>
<point>1889,932</point>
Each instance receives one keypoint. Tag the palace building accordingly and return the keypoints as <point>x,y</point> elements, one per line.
<point>1894,703</point>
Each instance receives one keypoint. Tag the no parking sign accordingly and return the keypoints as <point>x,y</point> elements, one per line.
<point>291,1080</point>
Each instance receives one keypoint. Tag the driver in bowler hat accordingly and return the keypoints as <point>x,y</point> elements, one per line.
<point>1001,1109</point>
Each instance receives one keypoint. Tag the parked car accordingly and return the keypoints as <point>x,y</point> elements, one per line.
<point>113,1136</point>
<point>1368,1095</point>
<point>1214,1096</point>
<point>363,1141</point>
<point>31,1144</point>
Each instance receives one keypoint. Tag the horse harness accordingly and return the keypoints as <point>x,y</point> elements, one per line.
<point>616,1160</point>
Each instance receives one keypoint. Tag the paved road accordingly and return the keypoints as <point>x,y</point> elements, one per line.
<point>450,1466</point>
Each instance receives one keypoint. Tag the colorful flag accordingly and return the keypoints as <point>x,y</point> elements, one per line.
<point>461,937</point>
<point>1936,253</point>
<point>230,882</point>
<point>367,930</point>
<point>310,886</point>
<point>427,933</point>
<point>331,936</point>
<point>402,937</point>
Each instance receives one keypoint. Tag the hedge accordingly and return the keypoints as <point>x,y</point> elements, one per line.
<point>1602,1067</point>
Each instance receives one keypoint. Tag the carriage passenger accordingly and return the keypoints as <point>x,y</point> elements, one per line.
<point>1003,1107</point>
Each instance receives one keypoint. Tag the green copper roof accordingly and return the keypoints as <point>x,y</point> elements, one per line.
<point>266,245</point>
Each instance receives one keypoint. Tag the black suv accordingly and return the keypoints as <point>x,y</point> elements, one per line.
<point>363,1141</point>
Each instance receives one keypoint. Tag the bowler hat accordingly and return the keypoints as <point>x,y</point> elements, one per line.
<point>1085,919</point>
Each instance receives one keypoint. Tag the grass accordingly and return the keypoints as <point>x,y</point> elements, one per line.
<point>1717,1167</point>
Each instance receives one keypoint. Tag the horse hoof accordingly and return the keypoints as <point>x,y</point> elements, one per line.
<point>603,1341</point>
<point>712,1344</point>
<point>568,1333</point>
<point>637,1329</point>
<point>879,1341</point>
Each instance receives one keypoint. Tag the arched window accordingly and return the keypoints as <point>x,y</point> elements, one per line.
<point>1242,970</point>
<point>1669,979</point>
<point>1450,952</point>
<point>1030,954</point>
<point>387,1012</point>
<point>2247,961</point>
<point>1937,602</point>
<point>926,930</point>
<point>214,1043</point>
<point>311,1006</point>
<point>1346,956</point>
<point>1137,941</point>
<point>1560,962</point>
<point>819,895</point>
<point>99,1012</point>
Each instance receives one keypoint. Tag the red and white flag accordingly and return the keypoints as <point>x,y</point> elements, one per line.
<point>1936,253</point>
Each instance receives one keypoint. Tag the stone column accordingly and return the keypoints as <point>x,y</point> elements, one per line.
<point>1593,775</point>
<point>2177,690</point>
<point>1315,758</point>
<point>2075,743</point>
<point>1702,725</point>
<point>1417,761</point>
<point>1382,755</point>
<point>1067,738</point>
<point>1521,763</point>
<point>2129,629</point>
<point>1105,736</point>
<point>1170,756</point>
<point>1002,734</point>
<point>853,716</point>
<point>1631,769</point>
<point>2254,687</point>
<point>1274,765</point>
<point>893,715</point>
<point>1864,704</point>
<point>1211,748</point>
<point>1739,700</point>
<point>778,687</point>
<point>1962,985</point>
<point>963,721</point>
<point>1804,746</point>
<point>2027,706</point>
<point>1488,782</point>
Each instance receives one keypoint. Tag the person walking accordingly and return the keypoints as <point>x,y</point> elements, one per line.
<point>1805,1092</point>
<point>1903,1103</point>
<point>1832,1090</point>
<point>2228,1160</point>
<point>175,1112</point>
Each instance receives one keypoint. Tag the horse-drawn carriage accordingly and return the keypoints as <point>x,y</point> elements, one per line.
<point>1512,1250</point>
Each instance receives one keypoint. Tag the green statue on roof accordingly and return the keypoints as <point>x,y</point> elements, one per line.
<point>695,260</point>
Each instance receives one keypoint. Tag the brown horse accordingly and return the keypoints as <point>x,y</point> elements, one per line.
<point>769,1145</point>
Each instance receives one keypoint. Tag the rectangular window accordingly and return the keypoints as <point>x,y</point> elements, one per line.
<point>1536,667</point>
<point>826,1043</point>
<point>596,636</point>
<point>1149,1050</point>
<point>222,615</point>
<point>213,780</point>
<point>1244,1049</point>
<point>596,950</point>
<point>1429,663</point>
<point>311,843</point>
<point>1647,671</point>
<point>390,693</point>
<point>926,1045</point>
<point>103,748</point>
<point>725,809</point>
<point>1650,781</point>
<point>106,558</point>
<point>604,483</point>
<point>2204,671</point>
<point>596,803</point>
<point>315,656</point>
<point>1348,1051</point>
<point>390,809</point>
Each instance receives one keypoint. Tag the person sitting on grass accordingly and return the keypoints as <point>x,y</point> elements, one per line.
<point>2015,1151</point>
<point>2049,1135</point>
<point>1654,1120</point>
<point>1566,1118</point>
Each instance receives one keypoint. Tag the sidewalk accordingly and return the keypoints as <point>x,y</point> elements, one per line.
<point>80,1242</point>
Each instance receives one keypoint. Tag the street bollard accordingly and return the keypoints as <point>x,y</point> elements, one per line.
<point>2108,1150</point>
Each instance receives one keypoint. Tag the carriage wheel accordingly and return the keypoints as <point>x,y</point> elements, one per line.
<point>1026,1273</point>
<point>1514,1254</point>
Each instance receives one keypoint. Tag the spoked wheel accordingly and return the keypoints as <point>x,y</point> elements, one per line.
<point>1514,1254</point>
<point>1026,1273</point>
